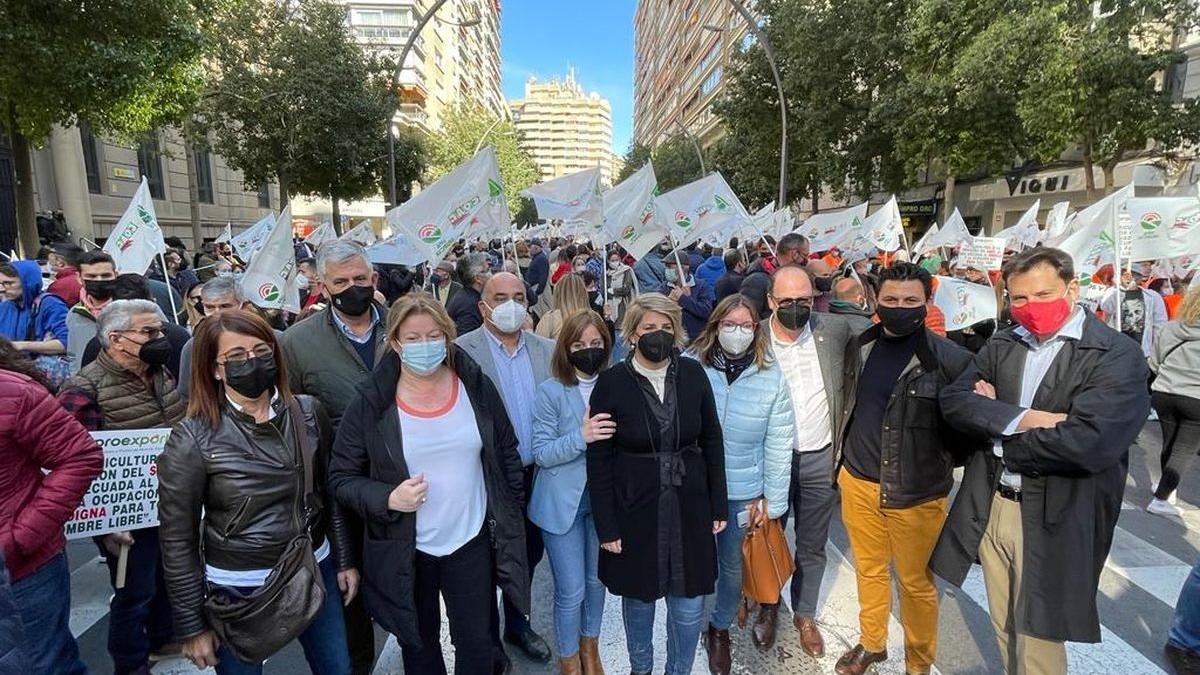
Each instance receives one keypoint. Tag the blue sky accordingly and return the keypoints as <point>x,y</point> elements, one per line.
<point>545,37</point>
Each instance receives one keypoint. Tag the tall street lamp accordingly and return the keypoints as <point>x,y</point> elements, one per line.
<point>695,145</point>
<point>412,40</point>
<point>770,54</point>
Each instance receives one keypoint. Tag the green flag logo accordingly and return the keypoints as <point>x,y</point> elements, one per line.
<point>628,232</point>
<point>430,234</point>
<point>682,221</point>
<point>268,292</point>
<point>722,205</point>
<point>1151,221</point>
<point>494,189</point>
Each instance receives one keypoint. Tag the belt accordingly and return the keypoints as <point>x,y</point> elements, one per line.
<point>1011,494</point>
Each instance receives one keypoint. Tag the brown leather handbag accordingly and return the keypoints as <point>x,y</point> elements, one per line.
<point>767,561</point>
<point>258,625</point>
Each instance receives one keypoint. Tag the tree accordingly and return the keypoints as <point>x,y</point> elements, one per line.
<point>1096,88</point>
<point>675,161</point>
<point>412,157</point>
<point>125,66</point>
<point>464,130</point>
<point>296,99</point>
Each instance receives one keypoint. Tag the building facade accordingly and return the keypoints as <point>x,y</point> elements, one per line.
<point>563,129</point>
<point>682,49</point>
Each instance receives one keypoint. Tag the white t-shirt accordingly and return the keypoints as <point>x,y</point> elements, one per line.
<point>445,446</point>
<point>657,376</point>
<point>586,386</point>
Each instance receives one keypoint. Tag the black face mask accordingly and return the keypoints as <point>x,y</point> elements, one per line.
<point>901,321</point>
<point>156,352</point>
<point>656,346</point>
<point>823,284</point>
<point>793,316</point>
<point>251,377</point>
<point>100,290</point>
<point>199,305</point>
<point>355,300</point>
<point>588,360</point>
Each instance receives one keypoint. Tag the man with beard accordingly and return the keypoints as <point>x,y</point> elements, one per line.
<point>97,272</point>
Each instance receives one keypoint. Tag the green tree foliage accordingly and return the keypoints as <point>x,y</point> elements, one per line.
<point>123,65</point>
<point>464,129</point>
<point>676,162</point>
<point>295,98</point>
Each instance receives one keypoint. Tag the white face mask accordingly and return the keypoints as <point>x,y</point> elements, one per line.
<point>302,280</point>
<point>735,340</point>
<point>508,316</point>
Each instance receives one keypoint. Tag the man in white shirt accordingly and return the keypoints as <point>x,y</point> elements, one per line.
<point>810,349</point>
<point>1143,311</point>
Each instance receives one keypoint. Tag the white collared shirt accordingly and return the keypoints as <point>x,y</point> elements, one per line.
<point>802,372</point>
<point>1038,360</point>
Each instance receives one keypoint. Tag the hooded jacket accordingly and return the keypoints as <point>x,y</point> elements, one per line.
<point>710,270</point>
<point>37,315</point>
<point>1176,360</point>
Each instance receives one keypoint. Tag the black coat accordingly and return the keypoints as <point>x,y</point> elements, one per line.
<point>368,463</point>
<point>918,450</point>
<point>1073,475</point>
<point>624,486</point>
<point>463,309</point>
<point>728,284</point>
<point>537,274</point>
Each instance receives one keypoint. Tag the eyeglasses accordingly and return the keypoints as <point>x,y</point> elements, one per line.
<point>149,332</point>
<point>749,327</point>
<point>788,302</point>
<point>9,284</point>
<point>239,355</point>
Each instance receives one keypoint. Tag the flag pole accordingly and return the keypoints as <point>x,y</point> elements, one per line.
<point>170,291</point>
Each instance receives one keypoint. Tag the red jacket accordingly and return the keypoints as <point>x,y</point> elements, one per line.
<point>35,434</point>
<point>67,285</point>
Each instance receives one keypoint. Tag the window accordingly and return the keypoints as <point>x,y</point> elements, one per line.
<point>711,82</point>
<point>264,195</point>
<point>91,161</point>
<point>150,165</point>
<point>204,181</point>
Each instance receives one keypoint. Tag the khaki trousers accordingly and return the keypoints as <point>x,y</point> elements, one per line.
<point>1000,555</point>
<point>903,538</point>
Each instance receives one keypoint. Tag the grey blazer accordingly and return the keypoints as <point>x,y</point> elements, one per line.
<point>476,345</point>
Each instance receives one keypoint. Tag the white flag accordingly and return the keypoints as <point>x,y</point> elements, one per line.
<point>826,230</point>
<point>1164,227</point>
<point>1025,233</point>
<point>692,211</point>
<point>575,196</point>
<point>397,250</point>
<point>1056,221</point>
<point>247,243</point>
<point>922,246</point>
<point>953,233</point>
<point>1090,246</point>
<point>881,230</point>
<point>361,233</point>
<point>270,279</point>
<point>629,213</point>
<point>226,234</point>
<point>322,234</point>
<point>136,238</point>
<point>468,201</point>
<point>964,303</point>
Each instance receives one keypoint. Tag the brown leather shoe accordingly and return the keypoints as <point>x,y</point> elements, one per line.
<point>858,660</point>
<point>569,665</point>
<point>810,638</point>
<point>589,656</point>
<point>763,631</point>
<point>716,643</point>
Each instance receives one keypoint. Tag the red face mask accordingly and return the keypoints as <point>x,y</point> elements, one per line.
<point>1042,319</point>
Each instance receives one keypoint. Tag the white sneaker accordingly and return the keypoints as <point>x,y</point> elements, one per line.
<point>1162,508</point>
<point>1153,415</point>
<point>1171,498</point>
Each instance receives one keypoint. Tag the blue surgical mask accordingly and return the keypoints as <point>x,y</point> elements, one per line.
<point>423,358</point>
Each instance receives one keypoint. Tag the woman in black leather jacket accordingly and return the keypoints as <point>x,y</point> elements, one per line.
<point>233,473</point>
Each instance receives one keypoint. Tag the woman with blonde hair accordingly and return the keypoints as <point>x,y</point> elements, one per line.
<point>570,297</point>
<point>757,419</point>
<point>657,485</point>
<point>1175,395</point>
<point>427,457</point>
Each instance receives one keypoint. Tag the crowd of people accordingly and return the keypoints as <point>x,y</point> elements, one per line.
<point>416,439</point>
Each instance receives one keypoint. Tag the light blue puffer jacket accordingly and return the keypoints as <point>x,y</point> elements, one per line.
<point>758,426</point>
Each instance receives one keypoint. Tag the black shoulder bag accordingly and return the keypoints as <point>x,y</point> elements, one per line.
<point>258,625</point>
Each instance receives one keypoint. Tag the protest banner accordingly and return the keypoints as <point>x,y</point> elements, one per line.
<point>125,494</point>
<point>982,253</point>
<point>964,303</point>
<point>136,238</point>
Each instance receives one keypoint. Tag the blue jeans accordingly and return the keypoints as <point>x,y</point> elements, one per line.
<point>1185,628</point>
<point>324,641</point>
<point>578,593</point>
<point>44,601</point>
<point>729,568</point>
<point>684,616</point>
<point>139,614</point>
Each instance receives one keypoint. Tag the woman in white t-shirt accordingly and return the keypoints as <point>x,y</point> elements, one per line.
<point>426,455</point>
<point>562,428</point>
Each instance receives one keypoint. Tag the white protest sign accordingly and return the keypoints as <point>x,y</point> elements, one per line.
<point>964,303</point>
<point>982,253</point>
<point>125,494</point>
